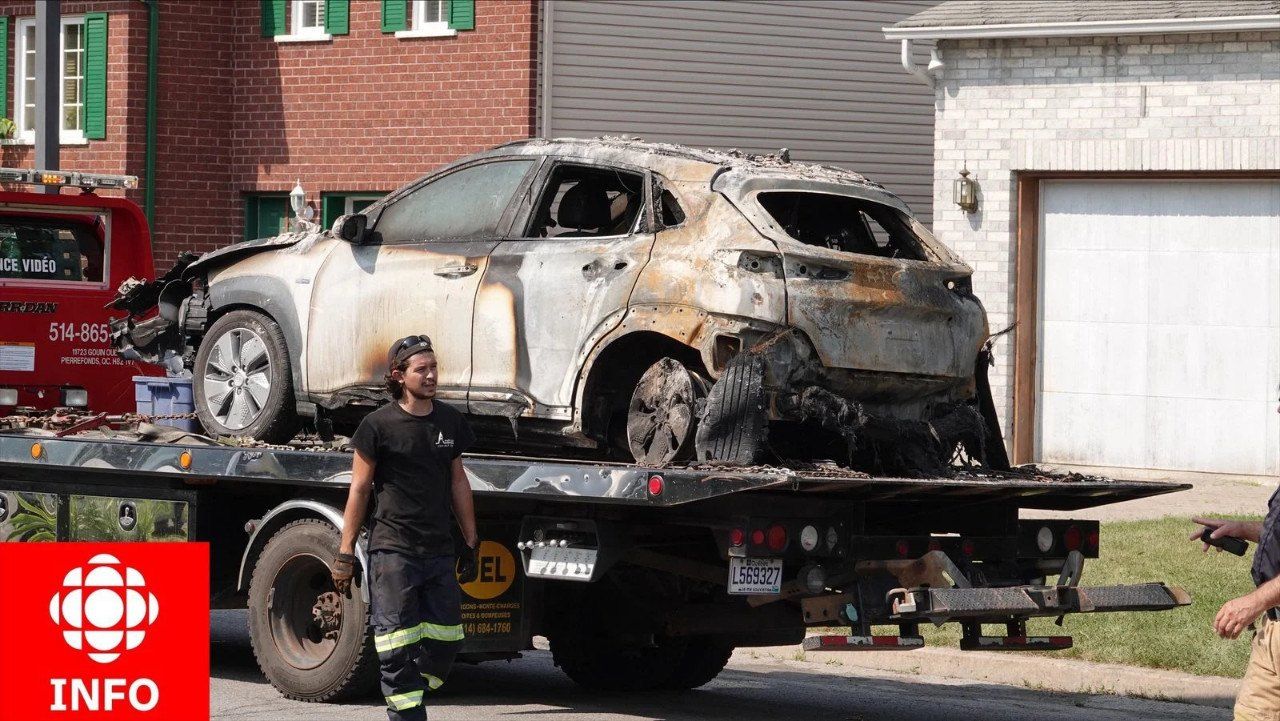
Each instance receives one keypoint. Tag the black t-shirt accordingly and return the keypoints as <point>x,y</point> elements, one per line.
<point>412,487</point>
<point>1266,557</point>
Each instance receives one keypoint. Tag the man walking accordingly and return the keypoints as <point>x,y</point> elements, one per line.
<point>408,458</point>
<point>1259,696</point>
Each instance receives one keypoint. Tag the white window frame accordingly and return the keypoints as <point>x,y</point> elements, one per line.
<point>28,135</point>
<point>348,201</point>
<point>300,34</point>
<point>419,28</point>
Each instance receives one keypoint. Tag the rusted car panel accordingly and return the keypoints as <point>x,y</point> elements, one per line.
<point>694,255</point>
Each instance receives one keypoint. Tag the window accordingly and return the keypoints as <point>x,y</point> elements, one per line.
<point>841,222</point>
<point>430,15</point>
<point>72,67</point>
<point>50,248</point>
<point>266,216</point>
<point>586,202</point>
<point>337,204</point>
<point>427,18</point>
<point>465,204</point>
<point>308,18</point>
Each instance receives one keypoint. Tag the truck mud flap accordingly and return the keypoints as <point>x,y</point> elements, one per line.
<point>998,605</point>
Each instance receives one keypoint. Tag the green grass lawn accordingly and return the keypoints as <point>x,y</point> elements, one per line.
<point>1181,639</point>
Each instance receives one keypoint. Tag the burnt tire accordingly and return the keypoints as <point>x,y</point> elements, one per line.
<point>734,423</point>
<point>302,657</point>
<point>663,413</point>
<point>242,379</point>
<point>704,658</point>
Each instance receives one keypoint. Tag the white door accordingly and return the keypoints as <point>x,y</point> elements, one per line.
<point>1160,325</point>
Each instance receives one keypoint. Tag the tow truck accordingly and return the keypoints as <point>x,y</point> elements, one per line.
<point>640,577</point>
<point>62,258</point>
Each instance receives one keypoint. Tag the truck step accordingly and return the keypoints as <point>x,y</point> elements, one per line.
<point>1016,643</point>
<point>862,643</point>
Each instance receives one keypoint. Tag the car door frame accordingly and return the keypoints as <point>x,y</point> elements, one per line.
<point>372,240</point>
<point>517,397</point>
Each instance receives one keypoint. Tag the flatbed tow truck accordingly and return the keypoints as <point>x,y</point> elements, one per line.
<point>641,578</point>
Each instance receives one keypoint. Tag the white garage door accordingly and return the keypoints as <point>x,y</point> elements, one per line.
<point>1160,325</point>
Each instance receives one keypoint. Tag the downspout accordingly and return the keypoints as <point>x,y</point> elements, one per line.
<point>153,52</point>
<point>927,76</point>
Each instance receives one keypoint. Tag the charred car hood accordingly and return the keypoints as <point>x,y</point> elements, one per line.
<point>231,253</point>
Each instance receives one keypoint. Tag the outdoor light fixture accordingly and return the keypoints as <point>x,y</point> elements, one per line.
<point>298,199</point>
<point>965,192</point>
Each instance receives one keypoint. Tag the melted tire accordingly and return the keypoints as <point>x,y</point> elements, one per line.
<point>734,424</point>
<point>350,670</point>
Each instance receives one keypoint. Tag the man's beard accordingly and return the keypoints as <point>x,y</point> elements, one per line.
<point>420,395</point>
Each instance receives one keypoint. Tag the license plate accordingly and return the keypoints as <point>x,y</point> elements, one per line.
<point>750,576</point>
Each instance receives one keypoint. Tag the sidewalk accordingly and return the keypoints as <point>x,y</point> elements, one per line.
<point>1030,671</point>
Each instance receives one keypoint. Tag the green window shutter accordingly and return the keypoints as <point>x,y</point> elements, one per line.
<point>462,14</point>
<point>4,65</point>
<point>330,208</point>
<point>336,14</point>
<point>394,14</point>
<point>273,18</point>
<point>95,76</point>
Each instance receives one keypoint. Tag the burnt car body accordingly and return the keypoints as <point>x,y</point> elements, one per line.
<point>598,294</point>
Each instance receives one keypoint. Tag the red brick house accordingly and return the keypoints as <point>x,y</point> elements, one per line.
<point>352,97</point>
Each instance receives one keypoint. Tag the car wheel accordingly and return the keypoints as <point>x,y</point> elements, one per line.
<point>735,423</point>
<point>243,384</point>
<point>663,412</point>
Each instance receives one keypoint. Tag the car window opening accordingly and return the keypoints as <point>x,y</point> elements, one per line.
<point>61,249</point>
<point>581,202</point>
<point>672,213</point>
<point>845,223</point>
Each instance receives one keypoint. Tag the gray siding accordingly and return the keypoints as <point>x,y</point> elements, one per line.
<point>813,76</point>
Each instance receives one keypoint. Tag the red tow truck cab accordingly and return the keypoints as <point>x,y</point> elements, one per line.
<point>61,259</point>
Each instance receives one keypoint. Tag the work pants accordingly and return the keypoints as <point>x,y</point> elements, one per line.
<point>1259,698</point>
<point>417,627</point>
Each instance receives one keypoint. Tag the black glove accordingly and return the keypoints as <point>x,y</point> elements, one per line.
<point>468,567</point>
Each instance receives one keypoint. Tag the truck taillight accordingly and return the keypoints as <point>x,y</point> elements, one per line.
<point>655,485</point>
<point>1092,540</point>
<point>967,547</point>
<point>757,537</point>
<point>1071,539</point>
<point>903,548</point>
<point>809,538</point>
<point>8,396</point>
<point>777,537</point>
<point>737,537</point>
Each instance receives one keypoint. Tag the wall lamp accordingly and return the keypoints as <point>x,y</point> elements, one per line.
<point>965,192</point>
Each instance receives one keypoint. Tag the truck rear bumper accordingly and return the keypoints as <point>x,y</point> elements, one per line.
<point>999,605</point>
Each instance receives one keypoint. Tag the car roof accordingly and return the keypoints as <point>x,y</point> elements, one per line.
<point>681,162</point>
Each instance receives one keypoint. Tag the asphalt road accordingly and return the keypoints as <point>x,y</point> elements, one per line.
<point>755,686</point>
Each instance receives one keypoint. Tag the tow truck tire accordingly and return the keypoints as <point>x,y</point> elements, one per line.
<point>290,578</point>
<point>595,663</point>
<point>704,659</point>
<point>241,351</point>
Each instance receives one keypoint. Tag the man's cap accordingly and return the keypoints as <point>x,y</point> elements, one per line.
<point>407,346</point>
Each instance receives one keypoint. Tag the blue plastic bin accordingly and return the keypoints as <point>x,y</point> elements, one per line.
<point>164,396</point>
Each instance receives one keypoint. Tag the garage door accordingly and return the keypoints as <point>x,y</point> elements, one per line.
<point>1160,325</point>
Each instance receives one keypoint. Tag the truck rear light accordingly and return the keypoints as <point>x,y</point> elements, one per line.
<point>967,547</point>
<point>737,537</point>
<point>75,397</point>
<point>809,538</point>
<point>935,544</point>
<point>903,548</point>
<point>1071,539</point>
<point>655,485</point>
<point>1044,539</point>
<point>833,538</point>
<point>757,537</point>
<point>8,396</point>
<point>1092,540</point>
<point>777,537</point>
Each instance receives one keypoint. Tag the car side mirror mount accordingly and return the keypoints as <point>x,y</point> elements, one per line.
<point>351,228</point>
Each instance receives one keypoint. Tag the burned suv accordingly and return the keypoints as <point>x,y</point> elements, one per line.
<point>618,298</point>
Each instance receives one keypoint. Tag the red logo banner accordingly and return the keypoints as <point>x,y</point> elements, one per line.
<point>104,631</point>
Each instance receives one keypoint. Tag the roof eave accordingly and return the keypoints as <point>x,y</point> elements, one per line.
<point>1171,26</point>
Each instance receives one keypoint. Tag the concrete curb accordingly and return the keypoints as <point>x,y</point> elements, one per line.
<point>1037,672</point>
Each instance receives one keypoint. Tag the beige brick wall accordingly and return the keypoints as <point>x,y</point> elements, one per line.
<point>1207,101</point>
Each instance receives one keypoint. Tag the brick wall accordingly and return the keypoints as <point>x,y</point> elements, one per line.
<point>1141,103</point>
<point>240,113</point>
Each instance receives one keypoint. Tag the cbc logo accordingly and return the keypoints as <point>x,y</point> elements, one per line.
<point>104,608</point>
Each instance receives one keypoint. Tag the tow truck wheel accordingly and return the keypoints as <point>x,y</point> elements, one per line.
<point>243,385</point>
<point>601,664</point>
<point>704,658</point>
<point>663,412</point>
<point>311,643</point>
